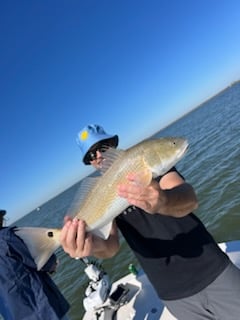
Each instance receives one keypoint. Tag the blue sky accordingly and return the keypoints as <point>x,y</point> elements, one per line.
<point>131,66</point>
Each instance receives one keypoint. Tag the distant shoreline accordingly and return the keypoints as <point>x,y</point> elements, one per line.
<point>198,106</point>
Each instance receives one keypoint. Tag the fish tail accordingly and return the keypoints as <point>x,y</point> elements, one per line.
<point>41,242</point>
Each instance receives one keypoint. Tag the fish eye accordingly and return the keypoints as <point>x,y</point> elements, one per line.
<point>50,234</point>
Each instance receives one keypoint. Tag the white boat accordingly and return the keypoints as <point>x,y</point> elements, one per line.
<point>131,297</point>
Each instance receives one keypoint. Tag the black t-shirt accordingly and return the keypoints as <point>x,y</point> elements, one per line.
<point>178,255</point>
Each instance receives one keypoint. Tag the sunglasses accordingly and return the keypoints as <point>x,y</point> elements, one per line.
<point>92,155</point>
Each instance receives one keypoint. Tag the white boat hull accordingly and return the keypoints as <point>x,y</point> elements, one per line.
<point>143,302</point>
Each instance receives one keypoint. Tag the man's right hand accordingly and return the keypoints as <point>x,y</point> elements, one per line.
<point>80,244</point>
<point>74,238</point>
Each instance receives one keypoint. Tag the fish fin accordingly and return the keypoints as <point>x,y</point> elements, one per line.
<point>143,176</point>
<point>41,242</point>
<point>81,193</point>
<point>110,155</point>
<point>103,232</point>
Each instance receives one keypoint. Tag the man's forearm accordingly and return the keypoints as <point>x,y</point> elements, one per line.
<point>105,248</point>
<point>178,201</point>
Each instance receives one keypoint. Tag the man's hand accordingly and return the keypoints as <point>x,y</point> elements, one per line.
<point>79,244</point>
<point>171,196</point>
<point>149,198</point>
<point>74,238</point>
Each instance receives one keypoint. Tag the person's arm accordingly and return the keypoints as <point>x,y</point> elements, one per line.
<point>171,196</point>
<point>78,243</point>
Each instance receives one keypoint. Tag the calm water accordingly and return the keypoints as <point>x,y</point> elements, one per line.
<point>211,166</point>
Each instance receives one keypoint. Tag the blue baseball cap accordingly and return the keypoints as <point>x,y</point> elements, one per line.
<point>91,135</point>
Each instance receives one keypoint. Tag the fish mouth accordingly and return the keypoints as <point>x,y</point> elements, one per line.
<point>184,150</point>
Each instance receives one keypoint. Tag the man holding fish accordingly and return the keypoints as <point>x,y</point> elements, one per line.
<point>190,273</point>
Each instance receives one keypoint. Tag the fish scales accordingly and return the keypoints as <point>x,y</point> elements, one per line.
<point>103,199</point>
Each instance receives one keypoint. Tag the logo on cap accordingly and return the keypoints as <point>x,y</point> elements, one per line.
<point>84,135</point>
